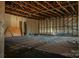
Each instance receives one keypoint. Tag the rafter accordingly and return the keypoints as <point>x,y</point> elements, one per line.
<point>13,12</point>
<point>36,10</point>
<point>28,14</point>
<point>71,7</point>
<point>66,6</point>
<point>30,9</point>
<point>17,9</point>
<point>63,7</point>
<point>33,6</point>
<point>19,14</point>
<point>46,8</point>
<point>40,4</point>
<point>25,7</point>
<point>43,13</point>
<point>55,8</point>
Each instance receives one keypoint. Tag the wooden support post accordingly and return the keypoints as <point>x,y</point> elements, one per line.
<point>53,26</point>
<point>67,25</point>
<point>41,26</point>
<point>38,27</point>
<point>50,25</point>
<point>63,24</point>
<point>78,18</point>
<point>72,25</point>
<point>45,26</point>
<point>77,25</point>
<point>59,23</point>
<point>2,22</point>
<point>56,24</point>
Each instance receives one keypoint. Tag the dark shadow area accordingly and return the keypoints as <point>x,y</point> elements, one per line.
<point>27,52</point>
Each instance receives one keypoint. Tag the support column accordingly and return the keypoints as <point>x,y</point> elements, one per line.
<point>2,14</point>
<point>78,18</point>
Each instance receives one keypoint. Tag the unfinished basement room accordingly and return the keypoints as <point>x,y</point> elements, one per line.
<point>41,29</point>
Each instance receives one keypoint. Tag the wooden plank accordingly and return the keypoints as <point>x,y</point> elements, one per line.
<point>67,26</point>
<point>77,25</point>
<point>72,26</point>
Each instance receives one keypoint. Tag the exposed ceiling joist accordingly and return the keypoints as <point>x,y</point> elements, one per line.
<point>43,13</point>
<point>38,10</point>
<point>13,12</point>
<point>63,7</point>
<point>47,8</point>
<point>33,6</point>
<point>32,10</point>
<point>26,14</point>
<point>35,10</point>
<point>17,9</point>
<point>55,8</point>
<point>71,7</point>
<point>23,6</point>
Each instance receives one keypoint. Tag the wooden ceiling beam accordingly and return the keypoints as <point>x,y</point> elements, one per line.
<point>34,10</point>
<point>72,7</point>
<point>49,10</point>
<point>19,14</point>
<point>35,7</point>
<point>17,9</point>
<point>22,11</point>
<point>66,6</point>
<point>44,14</point>
<point>55,8</point>
<point>25,9</point>
<point>63,7</point>
<point>32,6</point>
<point>21,5</point>
<point>13,12</point>
<point>40,4</point>
<point>46,8</point>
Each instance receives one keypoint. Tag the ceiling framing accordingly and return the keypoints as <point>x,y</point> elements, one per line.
<point>41,9</point>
